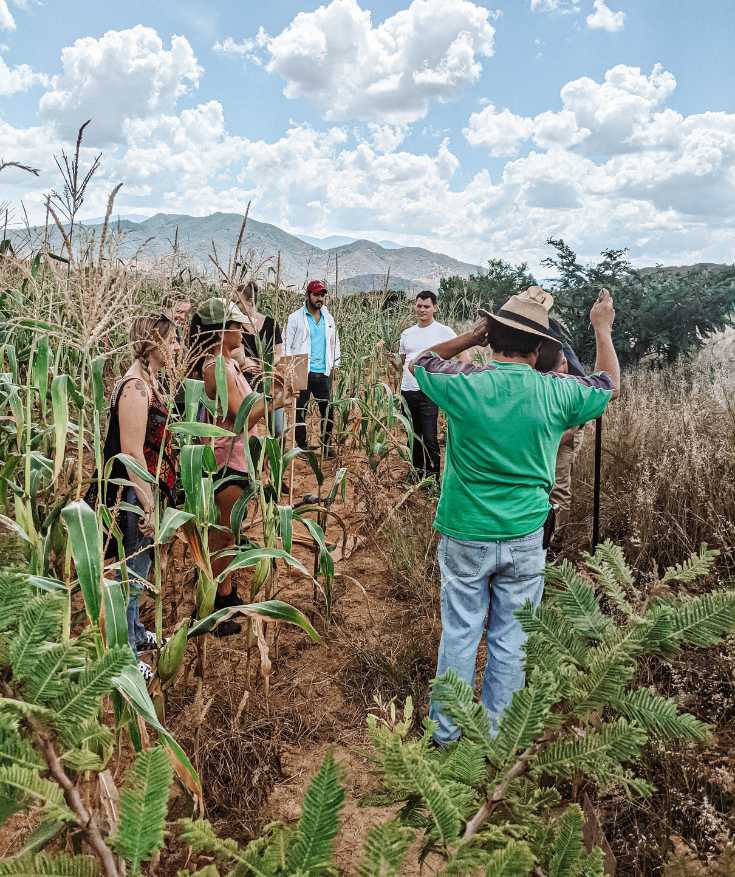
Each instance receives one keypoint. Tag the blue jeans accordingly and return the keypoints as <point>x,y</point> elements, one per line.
<point>486,582</point>
<point>138,566</point>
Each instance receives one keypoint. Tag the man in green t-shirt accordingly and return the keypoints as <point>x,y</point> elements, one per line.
<point>505,421</point>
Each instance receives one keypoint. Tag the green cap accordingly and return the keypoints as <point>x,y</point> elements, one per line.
<point>219,312</point>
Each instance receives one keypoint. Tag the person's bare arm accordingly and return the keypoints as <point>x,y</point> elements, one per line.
<point>236,396</point>
<point>476,337</point>
<point>132,412</point>
<point>602,317</point>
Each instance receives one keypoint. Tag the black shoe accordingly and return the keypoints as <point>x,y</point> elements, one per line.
<point>229,627</point>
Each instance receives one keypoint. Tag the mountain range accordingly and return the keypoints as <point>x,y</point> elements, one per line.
<point>358,264</point>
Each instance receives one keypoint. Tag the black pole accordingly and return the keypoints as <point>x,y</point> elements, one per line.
<point>596,492</point>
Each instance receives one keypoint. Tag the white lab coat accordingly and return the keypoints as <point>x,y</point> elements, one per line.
<point>297,337</point>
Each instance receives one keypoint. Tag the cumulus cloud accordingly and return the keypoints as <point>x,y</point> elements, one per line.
<point>126,74</point>
<point>7,22</point>
<point>563,7</point>
<point>351,68</point>
<point>603,18</point>
<point>19,78</point>
<point>613,165</point>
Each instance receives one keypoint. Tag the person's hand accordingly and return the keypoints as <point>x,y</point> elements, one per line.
<point>602,315</point>
<point>479,332</point>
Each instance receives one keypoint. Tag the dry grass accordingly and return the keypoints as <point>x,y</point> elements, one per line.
<point>668,474</point>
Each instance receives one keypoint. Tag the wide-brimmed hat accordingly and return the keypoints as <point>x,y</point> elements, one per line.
<point>220,312</point>
<point>528,311</point>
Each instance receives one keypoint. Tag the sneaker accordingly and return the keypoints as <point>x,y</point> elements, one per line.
<point>229,627</point>
<point>145,671</point>
<point>149,642</point>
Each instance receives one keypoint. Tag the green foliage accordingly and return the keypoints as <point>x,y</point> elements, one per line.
<point>44,865</point>
<point>514,860</point>
<point>385,850</point>
<point>458,701</point>
<point>489,290</point>
<point>143,804</point>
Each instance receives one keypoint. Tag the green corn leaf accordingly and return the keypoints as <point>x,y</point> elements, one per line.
<point>40,371</point>
<point>285,526</point>
<point>312,847</point>
<point>193,393</point>
<point>86,549</point>
<point>457,699</point>
<point>143,805</point>
<point>252,556</point>
<point>568,847</point>
<point>220,379</point>
<point>241,418</point>
<point>43,583</point>
<point>269,610</point>
<point>514,860</point>
<point>116,609</point>
<point>60,409</point>
<point>131,686</point>
<point>201,430</point>
<point>197,461</point>
<point>239,510</point>
<point>44,865</point>
<point>16,406</point>
<point>170,522</point>
<point>385,849</point>
<point>133,466</point>
<point>98,383</point>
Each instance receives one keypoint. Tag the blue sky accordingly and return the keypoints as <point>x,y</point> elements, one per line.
<point>469,128</point>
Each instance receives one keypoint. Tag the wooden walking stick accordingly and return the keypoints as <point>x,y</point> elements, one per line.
<point>596,488</point>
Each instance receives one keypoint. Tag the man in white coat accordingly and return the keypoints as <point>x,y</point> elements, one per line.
<point>312,330</point>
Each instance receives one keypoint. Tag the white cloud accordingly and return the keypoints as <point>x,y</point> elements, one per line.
<point>603,18</point>
<point>562,7</point>
<point>501,133</point>
<point>19,78</point>
<point>665,187</point>
<point>125,74</point>
<point>352,69</point>
<point>7,22</point>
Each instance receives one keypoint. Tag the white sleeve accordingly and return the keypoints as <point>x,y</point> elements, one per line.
<point>402,344</point>
<point>337,348</point>
<point>290,330</point>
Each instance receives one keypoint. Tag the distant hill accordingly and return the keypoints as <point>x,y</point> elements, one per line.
<point>153,238</point>
<point>338,240</point>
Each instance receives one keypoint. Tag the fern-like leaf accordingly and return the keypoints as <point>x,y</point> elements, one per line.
<point>524,719</point>
<point>80,700</point>
<point>550,626</point>
<point>593,864</point>
<point>60,865</point>
<point>14,597</point>
<point>660,716</point>
<point>32,788</point>
<point>514,860</point>
<point>16,749</point>
<point>143,804</point>
<point>314,840</point>
<point>704,620</point>
<point>464,763</point>
<point>91,745</point>
<point>39,623</point>
<point>695,567</point>
<point>568,847</point>
<point>47,681</point>
<point>457,700</point>
<point>597,754</point>
<point>202,838</point>
<point>385,849</point>
<point>575,598</point>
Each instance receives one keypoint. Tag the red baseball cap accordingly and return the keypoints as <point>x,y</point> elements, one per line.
<point>316,286</point>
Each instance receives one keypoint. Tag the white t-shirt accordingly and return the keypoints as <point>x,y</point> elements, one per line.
<point>415,340</point>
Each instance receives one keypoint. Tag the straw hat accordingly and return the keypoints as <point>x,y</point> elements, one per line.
<point>528,311</point>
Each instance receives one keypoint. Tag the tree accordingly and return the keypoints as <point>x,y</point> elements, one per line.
<point>462,297</point>
<point>659,313</point>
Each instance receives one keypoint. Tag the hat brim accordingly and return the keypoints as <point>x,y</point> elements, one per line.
<point>548,339</point>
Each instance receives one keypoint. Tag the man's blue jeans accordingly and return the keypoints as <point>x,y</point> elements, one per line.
<point>484,583</point>
<point>138,564</point>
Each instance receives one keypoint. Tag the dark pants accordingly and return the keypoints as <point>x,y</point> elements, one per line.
<point>424,416</point>
<point>319,387</point>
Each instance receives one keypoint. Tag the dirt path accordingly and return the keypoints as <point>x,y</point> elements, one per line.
<point>255,770</point>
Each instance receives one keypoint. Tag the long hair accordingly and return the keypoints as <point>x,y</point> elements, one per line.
<point>249,292</point>
<point>147,334</point>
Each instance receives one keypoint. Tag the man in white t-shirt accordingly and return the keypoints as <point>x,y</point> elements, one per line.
<point>424,413</point>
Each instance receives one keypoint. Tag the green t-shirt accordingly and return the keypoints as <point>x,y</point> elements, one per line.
<point>505,424</point>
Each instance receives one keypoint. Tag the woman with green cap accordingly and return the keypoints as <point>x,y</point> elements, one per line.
<point>216,329</point>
